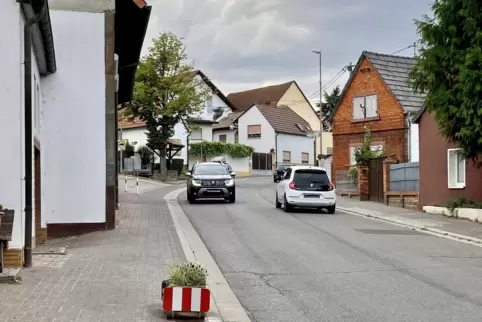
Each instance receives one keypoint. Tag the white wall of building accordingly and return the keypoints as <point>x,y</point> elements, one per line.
<point>297,145</point>
<point>254,117</point>
<point>229,135</point>
<point>73,132</point>
<point>414,149</point>
<point>12,166</point>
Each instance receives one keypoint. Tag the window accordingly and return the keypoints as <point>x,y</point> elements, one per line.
<point>254,131</point>
<point>210,169</point>
<point>196,135</point>
<point>456,169</point>
<point>286,156</point>
<point>369,103</point>
<point>236,137</point>
<point>222,138</point>
<point>305,157</point>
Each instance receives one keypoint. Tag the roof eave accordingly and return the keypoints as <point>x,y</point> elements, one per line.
<point>418,116</point>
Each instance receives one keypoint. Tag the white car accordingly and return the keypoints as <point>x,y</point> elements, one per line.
<point>305,187</point>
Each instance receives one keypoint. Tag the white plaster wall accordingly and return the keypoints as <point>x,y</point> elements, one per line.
<point>229,135</point>
<point>216,102</point>
<point>253,117</point>
<point>12,168</point>
<point>73,133</point>
<point>296,144</point>
<point>414,149</point>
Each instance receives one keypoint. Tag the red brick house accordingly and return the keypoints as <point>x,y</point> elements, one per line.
<point>379,84</point>
<point>444,174</point>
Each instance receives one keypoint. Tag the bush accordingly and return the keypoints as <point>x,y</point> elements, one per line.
<point>189,274</point>
<point>462,202</point>
<point>214,149</point>
<point>365,153</point>
<point>146,154</point>
<point>177,164</point>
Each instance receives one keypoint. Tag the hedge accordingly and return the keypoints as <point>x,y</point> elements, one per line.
<point>214,149</point>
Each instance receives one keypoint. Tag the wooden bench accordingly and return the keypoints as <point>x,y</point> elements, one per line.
<point>6,227</point>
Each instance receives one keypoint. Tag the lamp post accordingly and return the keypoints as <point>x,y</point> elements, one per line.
<point>318,52</point>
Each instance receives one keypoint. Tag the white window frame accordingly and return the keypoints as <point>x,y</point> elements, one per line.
<point>352,155</point>
<point>209,104</point>
<point>453,169</point>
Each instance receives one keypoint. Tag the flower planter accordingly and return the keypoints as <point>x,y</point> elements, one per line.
<point>185,301</point>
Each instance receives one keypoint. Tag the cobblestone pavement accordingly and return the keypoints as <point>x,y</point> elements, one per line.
<point>105,276</point>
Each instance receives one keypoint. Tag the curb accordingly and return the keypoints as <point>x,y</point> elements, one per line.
<point>225,306</point>
<point>432,231</point>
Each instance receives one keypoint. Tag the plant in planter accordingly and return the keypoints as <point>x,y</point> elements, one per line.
<point>186,292</point>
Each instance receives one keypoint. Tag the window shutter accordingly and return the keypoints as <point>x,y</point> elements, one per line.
<point>372,105</point>
<point>452,168</point>
<point>357,110</point>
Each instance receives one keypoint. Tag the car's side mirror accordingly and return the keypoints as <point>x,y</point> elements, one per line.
<point>233,173</point>
<point>188,174</point>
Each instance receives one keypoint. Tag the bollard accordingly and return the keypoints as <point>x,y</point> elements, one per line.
<point>125,189</point>
<point>137,183</point>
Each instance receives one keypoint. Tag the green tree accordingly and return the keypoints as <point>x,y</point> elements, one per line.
<point>146,154</point>
<point>165,93</point>
<point>327,108</point>
<point>449,71</point>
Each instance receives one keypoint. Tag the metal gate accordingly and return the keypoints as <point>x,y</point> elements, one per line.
<point>375,179</point>
<point>262,161</point>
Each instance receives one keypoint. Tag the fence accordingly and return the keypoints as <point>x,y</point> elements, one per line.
<point>404,176</point>
<point>345,182</point>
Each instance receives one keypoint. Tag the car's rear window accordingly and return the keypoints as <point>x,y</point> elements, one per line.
<point>306,176</point>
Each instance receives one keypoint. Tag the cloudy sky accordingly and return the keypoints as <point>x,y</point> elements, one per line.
<point>243,44</point>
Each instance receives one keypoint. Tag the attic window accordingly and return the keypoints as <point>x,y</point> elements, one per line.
<point>300,127</point>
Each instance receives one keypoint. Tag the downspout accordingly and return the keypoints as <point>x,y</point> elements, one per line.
<point>276,150</point>
<point>409,144</point>
<point>28,132</point>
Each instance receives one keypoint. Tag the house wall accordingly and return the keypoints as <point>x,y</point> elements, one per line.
<point>389,130</point>
<point>327,140</point>
<point>267,140</point>
<point>433,186</point>
<point>414,138</point>
<point>12,166</point>
<point>73,135</point>
<point>295,99</point>
<point>229,135</point>
<point>296,144</point>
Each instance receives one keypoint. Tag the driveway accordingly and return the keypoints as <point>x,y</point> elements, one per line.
<point>307,266</point>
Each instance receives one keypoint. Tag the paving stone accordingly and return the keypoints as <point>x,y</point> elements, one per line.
<point>105,276</point>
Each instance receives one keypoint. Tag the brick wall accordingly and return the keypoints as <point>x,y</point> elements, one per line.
<point>388,130</point>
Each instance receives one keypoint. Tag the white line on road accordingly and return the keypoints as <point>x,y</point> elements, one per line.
<point>225,306</point>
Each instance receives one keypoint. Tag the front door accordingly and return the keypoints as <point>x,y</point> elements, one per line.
<point>375,179</point>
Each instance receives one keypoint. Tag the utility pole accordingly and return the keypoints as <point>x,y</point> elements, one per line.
<point>318,52</point>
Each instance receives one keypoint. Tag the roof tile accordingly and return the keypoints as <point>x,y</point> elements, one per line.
<point>245,99</point>
<point>284,120</point>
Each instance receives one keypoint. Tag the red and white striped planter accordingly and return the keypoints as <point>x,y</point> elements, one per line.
<point>186,299</point>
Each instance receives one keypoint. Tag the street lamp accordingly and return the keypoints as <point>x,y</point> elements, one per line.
<point>318,52</point>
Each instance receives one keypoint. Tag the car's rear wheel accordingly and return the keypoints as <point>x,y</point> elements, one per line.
<point>331,210</point>
<point>286,206</point>
<point>276,202</point>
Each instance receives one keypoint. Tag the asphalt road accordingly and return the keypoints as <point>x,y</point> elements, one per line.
<point>307,266</point>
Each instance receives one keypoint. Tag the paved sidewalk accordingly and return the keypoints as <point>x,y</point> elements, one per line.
<point>457,228</point>
<point>105,276</point>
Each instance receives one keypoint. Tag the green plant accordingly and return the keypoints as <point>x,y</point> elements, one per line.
<point>189,274</point>
<point>128,150</point>
<point>353,173</point>
<point>206,148</point>
<point>365,153</point>
<point>146,154</point>
<point>462,202</point>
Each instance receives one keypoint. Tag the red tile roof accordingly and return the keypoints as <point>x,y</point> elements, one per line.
<point>272,94</point>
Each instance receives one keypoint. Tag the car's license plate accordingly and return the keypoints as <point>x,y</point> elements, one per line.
<point>214,190</point>
<point>312,196</point>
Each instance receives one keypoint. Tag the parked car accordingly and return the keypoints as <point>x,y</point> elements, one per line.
<point>306,187</point>
<point>222,160</point>
<point>278,173</point>
<point>209,180</point>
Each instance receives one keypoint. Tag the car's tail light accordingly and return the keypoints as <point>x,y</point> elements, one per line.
<point>331,187</point>
<point>292,185</point>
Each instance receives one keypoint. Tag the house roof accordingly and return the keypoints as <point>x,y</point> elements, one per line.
<point>284,120</point>
<point>125,123</point>
<point>244,100</point>
<point>419,114</point>
<point>226,121</point>
<point>394,71</point>
<point>214,88</point>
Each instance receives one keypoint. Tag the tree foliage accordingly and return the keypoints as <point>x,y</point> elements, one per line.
<point>146,155</point>
<point>327,108</point>
<point>449,71</point>
<point>365,153</point>
<point>165,93</point>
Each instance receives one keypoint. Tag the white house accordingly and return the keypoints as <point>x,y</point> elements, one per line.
<point>58,173</point>
<point>135,131</point>
<point>272,131</point>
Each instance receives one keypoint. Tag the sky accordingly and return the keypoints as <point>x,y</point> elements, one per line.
<point>244,44</point>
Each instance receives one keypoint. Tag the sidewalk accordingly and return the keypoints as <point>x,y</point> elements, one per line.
<point>455,228</point>
<point>105,276</point>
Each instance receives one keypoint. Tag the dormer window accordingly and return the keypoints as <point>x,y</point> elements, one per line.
<point>209,104</point>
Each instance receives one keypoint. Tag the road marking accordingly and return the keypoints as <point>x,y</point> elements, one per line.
<point>225,306</point>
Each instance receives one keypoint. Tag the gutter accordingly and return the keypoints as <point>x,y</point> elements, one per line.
<point>409,139</point>
<point>28,131</point>
<point>276,149</point>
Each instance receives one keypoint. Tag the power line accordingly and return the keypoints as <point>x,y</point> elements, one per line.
<point>414,45</point>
